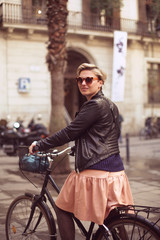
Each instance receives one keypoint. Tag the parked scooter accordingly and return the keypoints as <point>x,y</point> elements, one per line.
<point>19,135</point>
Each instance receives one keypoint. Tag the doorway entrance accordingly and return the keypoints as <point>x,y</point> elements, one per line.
<point>73,98</point>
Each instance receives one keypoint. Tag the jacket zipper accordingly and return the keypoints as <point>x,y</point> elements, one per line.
<point>76,167</point>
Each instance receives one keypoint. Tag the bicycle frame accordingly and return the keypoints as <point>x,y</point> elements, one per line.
<point>45,193</point>
<point>87,233</point>
<point>114,222</point>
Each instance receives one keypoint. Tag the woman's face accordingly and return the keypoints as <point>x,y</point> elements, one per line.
<point>91,88</point>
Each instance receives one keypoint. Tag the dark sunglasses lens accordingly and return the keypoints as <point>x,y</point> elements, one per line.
<point>89,80</point>
<point>79,80</point>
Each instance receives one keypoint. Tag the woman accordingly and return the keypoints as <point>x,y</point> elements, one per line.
<point>98,183</point>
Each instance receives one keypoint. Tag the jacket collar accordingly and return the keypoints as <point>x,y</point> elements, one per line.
<point>99,94</point>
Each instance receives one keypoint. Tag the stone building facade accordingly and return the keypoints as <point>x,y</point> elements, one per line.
<point>24,77</point>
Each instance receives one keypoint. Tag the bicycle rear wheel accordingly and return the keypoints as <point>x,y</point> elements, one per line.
<point>129,227</point>
<point>40,228</point>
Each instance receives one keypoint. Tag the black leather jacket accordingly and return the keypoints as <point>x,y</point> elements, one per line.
<point>95,131</point>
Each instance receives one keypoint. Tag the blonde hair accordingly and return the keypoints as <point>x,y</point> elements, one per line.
<point>88,66</point>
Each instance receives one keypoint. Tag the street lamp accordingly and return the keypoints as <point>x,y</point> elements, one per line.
<point>158,30</point>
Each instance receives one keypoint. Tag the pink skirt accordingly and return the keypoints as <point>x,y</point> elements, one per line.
<point>91,194</point>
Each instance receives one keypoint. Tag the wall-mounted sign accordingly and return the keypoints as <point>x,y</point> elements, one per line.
<point>24,84</point>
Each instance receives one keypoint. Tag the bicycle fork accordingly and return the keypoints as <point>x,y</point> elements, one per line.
<point>33,207</point>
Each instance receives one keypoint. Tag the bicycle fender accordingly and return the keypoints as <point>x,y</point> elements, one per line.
<point>133,217</point>
<point>29,195</point>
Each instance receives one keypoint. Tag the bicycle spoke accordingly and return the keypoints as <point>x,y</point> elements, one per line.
<point>17,220</point>
<point>126,231</point>
<point>129,227</point>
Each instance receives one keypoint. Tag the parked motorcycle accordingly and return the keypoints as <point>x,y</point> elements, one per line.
<point>3,127</point>
<point>19,135</point>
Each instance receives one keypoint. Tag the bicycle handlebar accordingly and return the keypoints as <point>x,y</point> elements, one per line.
<point>55,153</point>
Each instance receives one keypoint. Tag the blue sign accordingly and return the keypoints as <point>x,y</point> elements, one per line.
<point>24,84</point>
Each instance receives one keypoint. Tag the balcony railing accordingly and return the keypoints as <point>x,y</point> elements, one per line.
<point>16,14</point>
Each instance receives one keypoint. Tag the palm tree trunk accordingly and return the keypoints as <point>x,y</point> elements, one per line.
<point>56,59</point>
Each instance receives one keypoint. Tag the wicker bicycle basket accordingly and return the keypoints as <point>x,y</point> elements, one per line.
<point>31,163</point>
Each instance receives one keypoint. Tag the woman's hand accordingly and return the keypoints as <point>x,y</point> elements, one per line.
<point>31,147</point>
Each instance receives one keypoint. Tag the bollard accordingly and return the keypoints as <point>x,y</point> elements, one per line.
<point>127,147</point>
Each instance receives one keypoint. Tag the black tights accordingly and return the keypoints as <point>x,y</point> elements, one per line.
<point>65,224</point>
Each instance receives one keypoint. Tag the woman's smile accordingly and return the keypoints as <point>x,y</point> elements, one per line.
<point>89,89</point>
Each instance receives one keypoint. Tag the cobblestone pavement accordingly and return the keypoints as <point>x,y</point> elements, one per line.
<point>142,168</point>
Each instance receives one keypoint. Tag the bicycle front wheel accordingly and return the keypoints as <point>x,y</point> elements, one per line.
<point>18,214</point>
<point>129,228</point>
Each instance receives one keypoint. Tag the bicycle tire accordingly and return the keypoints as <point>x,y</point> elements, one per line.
<point>144,134</point>
<point>17,218</point>
<point>129,227</point>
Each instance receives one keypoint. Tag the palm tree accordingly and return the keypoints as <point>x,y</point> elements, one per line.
<point>56,60</point>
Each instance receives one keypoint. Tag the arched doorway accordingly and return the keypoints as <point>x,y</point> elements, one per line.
<point>73,98</point>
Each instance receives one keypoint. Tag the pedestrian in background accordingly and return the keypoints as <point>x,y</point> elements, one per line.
<point>120,124</point>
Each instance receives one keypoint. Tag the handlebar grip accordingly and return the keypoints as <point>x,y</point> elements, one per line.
<point>73,149</point>
<point>35,149</point>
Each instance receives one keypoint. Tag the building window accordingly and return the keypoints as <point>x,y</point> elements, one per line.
<point>37,7</point>
<point>39,10</point>
<point>153,83</point>
<point>104,12</point>
<point>153,14</point>
<point>34,11</point>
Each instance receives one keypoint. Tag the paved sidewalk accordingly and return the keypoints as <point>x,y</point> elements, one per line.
<point>143,171</point>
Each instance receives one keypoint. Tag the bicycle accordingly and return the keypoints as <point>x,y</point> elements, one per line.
<point>151,128</point>
<point>30,217</point>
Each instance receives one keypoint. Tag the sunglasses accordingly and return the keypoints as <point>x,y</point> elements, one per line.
<point>88,80</point>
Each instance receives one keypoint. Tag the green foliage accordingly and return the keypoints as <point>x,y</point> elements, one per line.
<point>97,6</point>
